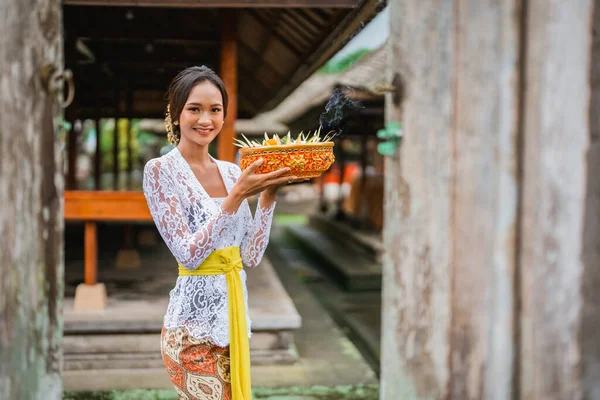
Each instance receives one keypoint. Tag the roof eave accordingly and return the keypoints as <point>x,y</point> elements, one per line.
<point>353,23</point>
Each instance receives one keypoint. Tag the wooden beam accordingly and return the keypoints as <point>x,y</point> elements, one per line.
<point>116,51</point>
<point>310,18</point>
<point>266,24</point>
<point>106,206</point>
<point>304,31</point>
<point>220,3</point>
<point>229,74</point>
<point>143,24</point>
<point>265,64</point>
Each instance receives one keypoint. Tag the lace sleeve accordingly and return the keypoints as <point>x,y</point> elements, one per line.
<point>256,238</point>
<point>189,248</point>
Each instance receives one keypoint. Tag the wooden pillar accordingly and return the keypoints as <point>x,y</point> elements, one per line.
<point>229,74</point>
<point>115,151</point>
<point>129,111</point>
<point>31,191</point>
<point>363,197</point>
<point>591,231</point>
<point>416,285</point>
<point>72,136</point>
<point>559,359</point>
<point>71,115</point>
<point>91,253</point>
<point>323,207</point>
<point>129,154</point>
<point>484,279</point>
<point>98,157</point>
<point>339,214</point>
<point>90,295</point>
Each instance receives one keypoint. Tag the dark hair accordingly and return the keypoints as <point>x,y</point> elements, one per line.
<point>182,85</point>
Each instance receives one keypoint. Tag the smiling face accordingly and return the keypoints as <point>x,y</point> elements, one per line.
<point>202,116</point>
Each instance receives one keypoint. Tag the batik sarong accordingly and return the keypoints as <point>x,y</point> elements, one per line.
<point>198,369</point>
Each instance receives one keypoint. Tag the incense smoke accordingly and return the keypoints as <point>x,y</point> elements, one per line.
<point>338,110</point>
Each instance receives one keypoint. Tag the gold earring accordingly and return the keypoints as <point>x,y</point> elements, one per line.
<point>171,137</point>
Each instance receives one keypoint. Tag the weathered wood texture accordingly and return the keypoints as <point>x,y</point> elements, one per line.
<point>591,232</point>
<point>484,204</point>
<point>556,139</point>
<point>417,229</point>
<point>483,197</point>
<point>31,185</point>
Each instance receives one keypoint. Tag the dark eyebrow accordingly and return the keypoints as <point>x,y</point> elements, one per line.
<point>198,104</point>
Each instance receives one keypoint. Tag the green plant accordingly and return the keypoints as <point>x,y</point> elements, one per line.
<point>345,63</point>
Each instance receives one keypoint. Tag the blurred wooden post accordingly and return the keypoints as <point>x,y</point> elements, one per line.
<point>115,151</point>
<point>98,157</point>
<point>228,72</point>
<point>560,355</point>
<point>590,330</point>
<point>129,151</point>
<point>483,284</point>
<point>340,214</point>
<point>31,189</point>
<point>72,138</point>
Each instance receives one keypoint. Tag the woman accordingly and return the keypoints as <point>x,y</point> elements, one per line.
<point>199,206</point>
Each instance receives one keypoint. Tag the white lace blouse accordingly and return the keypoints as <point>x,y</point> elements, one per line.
<point>192,225</point>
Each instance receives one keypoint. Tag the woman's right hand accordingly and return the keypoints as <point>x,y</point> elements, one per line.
<point>249,184</point>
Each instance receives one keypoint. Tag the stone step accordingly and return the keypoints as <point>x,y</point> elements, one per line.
<point>95,340</point>
<point>353,269</point>
<point>112,361</point>
<point>149,360</point>
<point>370,243</point>
<point>150,342</point>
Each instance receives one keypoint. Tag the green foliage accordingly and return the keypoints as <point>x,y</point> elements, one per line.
<point>122,395</point>
<point>345,63</point>
<point>290,219</point>
<point>138,139</point>
<point>355,392</point>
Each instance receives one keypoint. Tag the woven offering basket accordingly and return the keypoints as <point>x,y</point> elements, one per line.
<point>304,160</point>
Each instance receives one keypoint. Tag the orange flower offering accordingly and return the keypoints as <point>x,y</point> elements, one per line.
<point>307,156</point>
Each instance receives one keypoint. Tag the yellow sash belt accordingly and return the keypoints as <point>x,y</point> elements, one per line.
<point>229,262</point>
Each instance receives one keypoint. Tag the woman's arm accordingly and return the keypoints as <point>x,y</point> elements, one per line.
<point>189,248</point>
<point>256,238</point>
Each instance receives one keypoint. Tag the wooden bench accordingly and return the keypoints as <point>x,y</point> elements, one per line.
<point>90,207</point>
